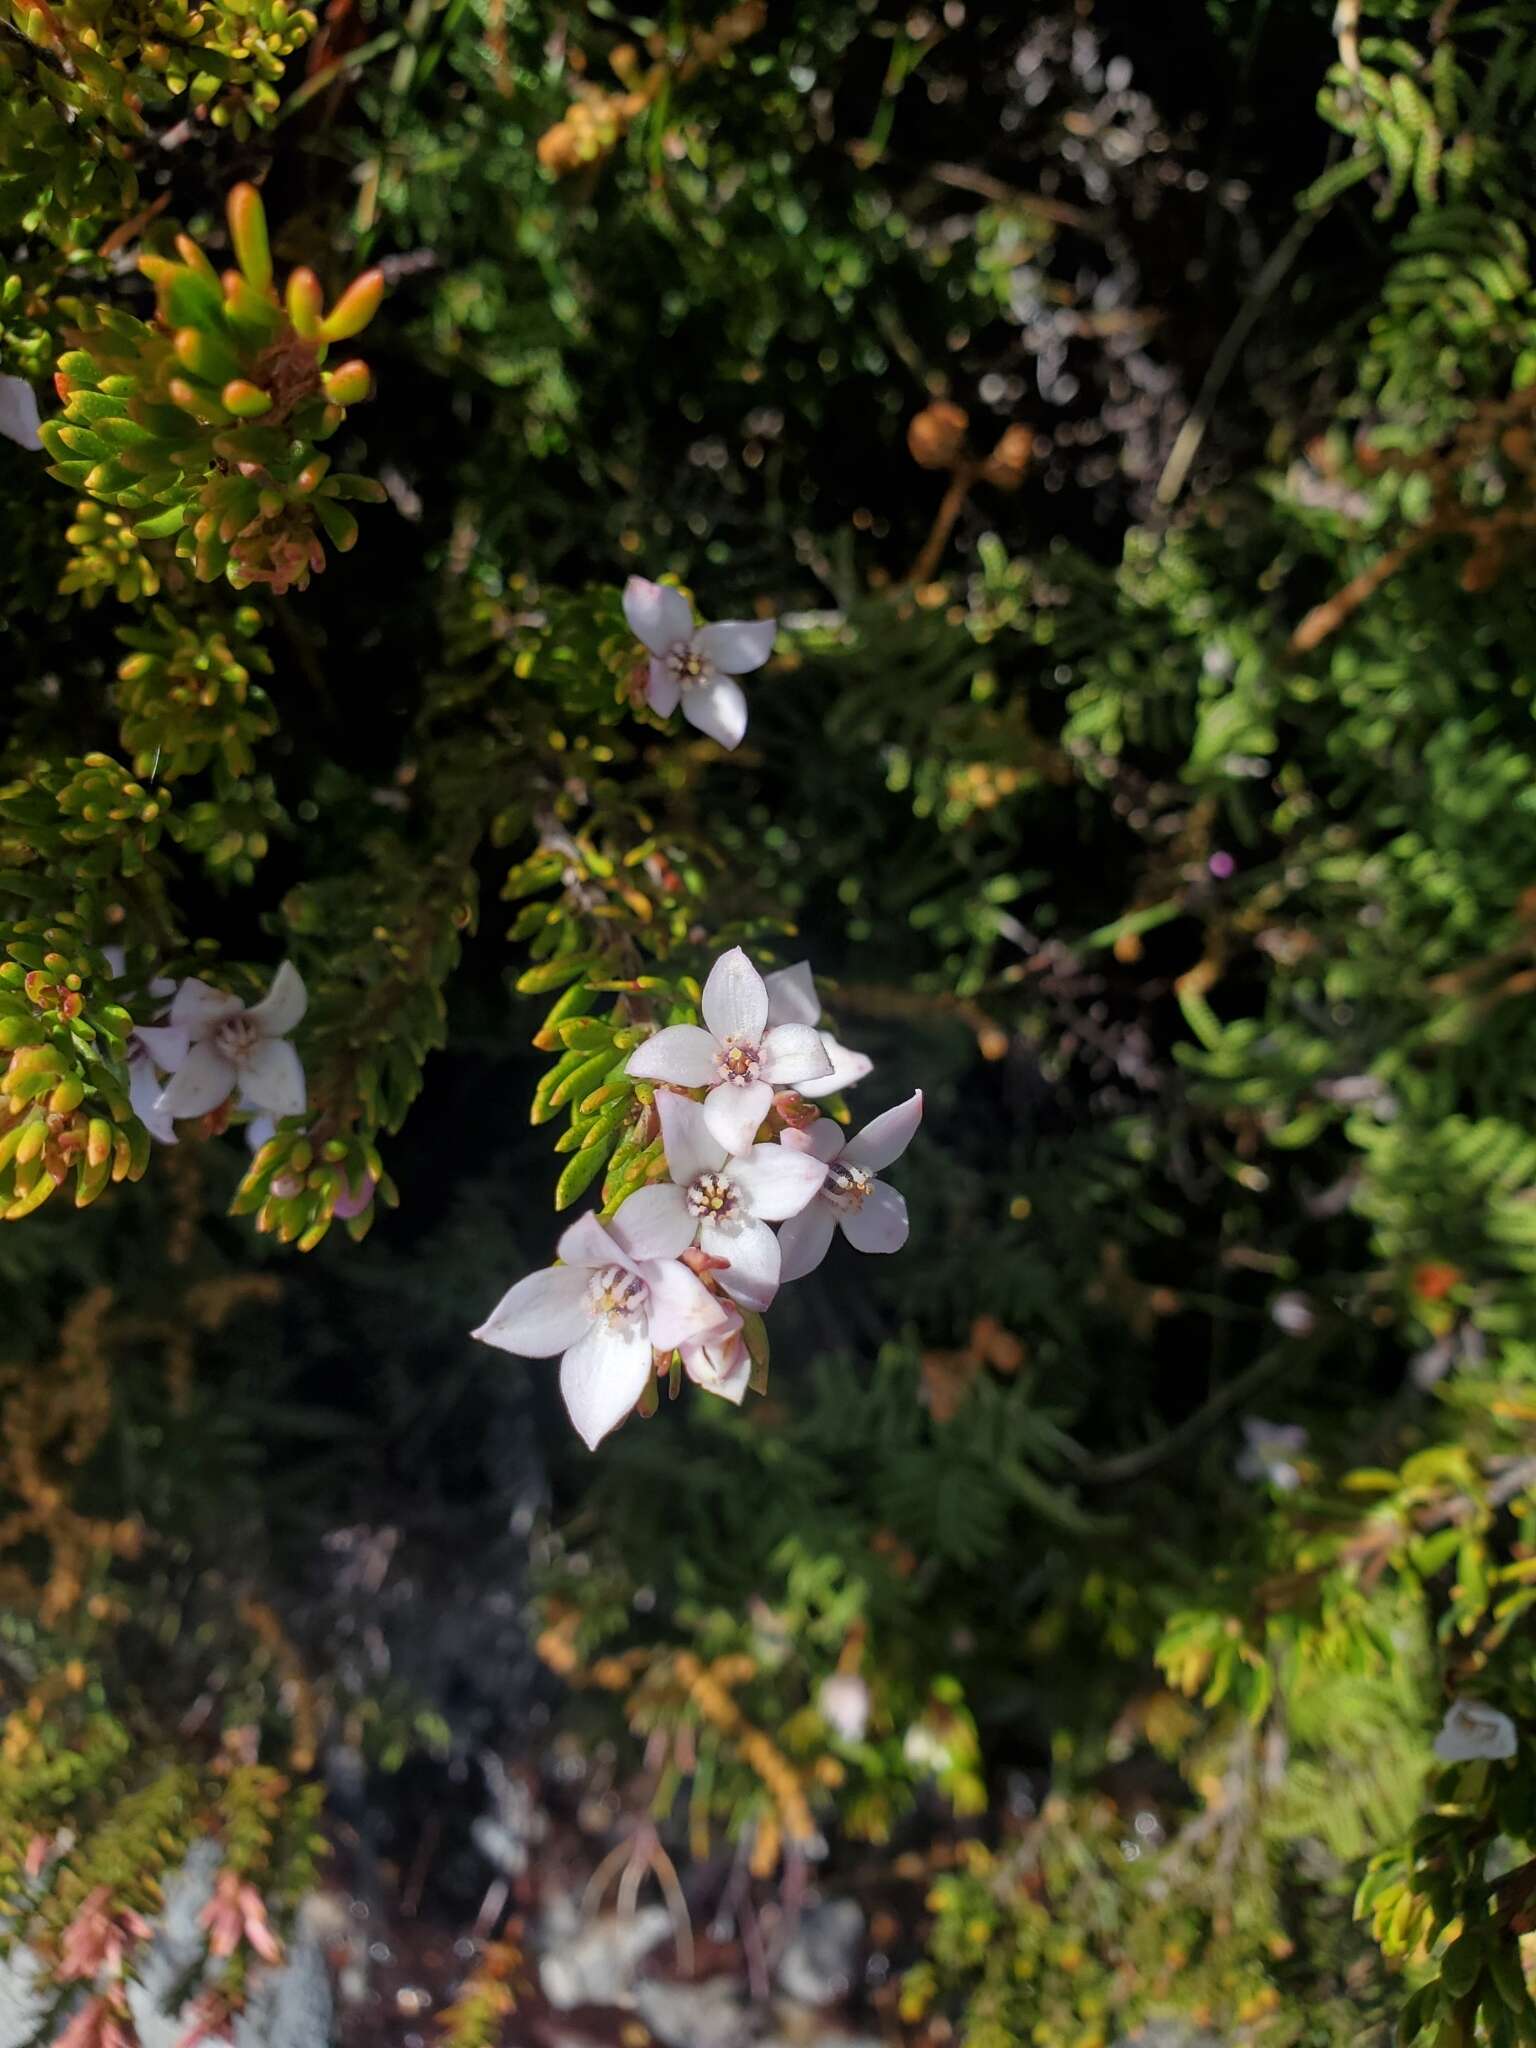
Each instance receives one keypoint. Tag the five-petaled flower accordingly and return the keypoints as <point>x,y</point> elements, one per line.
<point>729,1199</point>
<point>696,665</point>
<point>871,1215</point>
<point>229,1045</point>
<point>1270,1453</point>
<point>620,1296</point>
<point>736,1055</point>
<point>19,417</point>
<point>792,999</point>
<point>1473,1730</point>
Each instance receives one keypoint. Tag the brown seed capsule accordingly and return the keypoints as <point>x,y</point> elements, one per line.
<point>1009,461</point>
<point>936,437</point>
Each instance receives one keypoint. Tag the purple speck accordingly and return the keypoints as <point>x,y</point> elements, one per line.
<point>1222,865</point>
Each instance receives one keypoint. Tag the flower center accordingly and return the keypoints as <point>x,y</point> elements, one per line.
<point>846,1186</point>
<point>738,1061</point>
<point>236,1038</point>
<point>687,666</point>
<point>616,1296</point>
<point>713,1199</point>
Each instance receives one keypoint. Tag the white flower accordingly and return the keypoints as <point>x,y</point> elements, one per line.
<point>736,1057</point>
<point>843,1703</point>
<point>925,1749</point>
<point>727,1200</point>
<point>1472,1730</point>
<point>792,999</point>
<point>619,1296</point>
<point>696,663</point>
<point>230,1045</point>
<point>144,1083</point>
<point>872,1216</point>
<point>1270,1450</point>
<point>720,1364</point>
<point>19,416</point>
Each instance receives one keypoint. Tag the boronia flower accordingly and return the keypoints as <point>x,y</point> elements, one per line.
<point>720,1364</point>
<point>843,1703</point>
<point>19,417</point>
<point>162,1048</point>
<point>729,1199</point>
<point>792,999</point>
<point>871,1215</point>
<point>619,1296</point>
<point>696,664</point>
<point>1270,1452</point>
<point>736,1056</point>
<point>230,1045</point>
<point>1473,1730</point>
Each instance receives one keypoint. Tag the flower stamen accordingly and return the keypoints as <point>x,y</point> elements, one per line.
<point>846,1186</point>
<point>615,1295</point>
<point>713,1198</point>
<point>739,1062</point>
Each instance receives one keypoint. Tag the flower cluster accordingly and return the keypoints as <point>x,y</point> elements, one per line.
<point>685,1262</point>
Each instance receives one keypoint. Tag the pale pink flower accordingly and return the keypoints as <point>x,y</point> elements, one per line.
<point>696,664</point>
<point>736,1055</point>
<point>19,417</point>
<point>792,999</point>
<point>619,1296</point>
<point>1270,1452</point>
<point>720,1364</point>
<point>843,1703</point>
<point>98,2024</point>
<point>231,1045</point>
<point>872,1216</point>
<point>144,1062</point>
<point>237,1913</point>
<point>97,1939</point>
<point>1473,1730</point>
<point>727,1200</point>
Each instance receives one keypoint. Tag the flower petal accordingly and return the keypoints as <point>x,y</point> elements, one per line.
<point>794,1052</point>
<point>283,1005</point>
<point>659,616</point>
<point>685,1136</point>
<point>879,1224</point>
<point>662,688</point>
<point>718,709</point>
<point>654,1223</point>
<point>540,1316</point>
<point>18,412</point>
<point>587,1243</point>
<point>847,1067</point>
<point>166,1046</point>
<point>804,1240</point>
<point>735,647</point>
<point>199,1085</point>
<point>752,1277</point>
<point>792,997</point>
<point>198,1007</point>
<point>682,1309</point>
<point>823,1139</point>
<point>682,1054</point>
<point>603,1376</point>
<point>778,1180</point>
<point>722,1366</point>
<point>733,1115</point>
<point>888,1136</point>
<point>272,1078</point>
<point>735,1003</point>
<point>144,1095</point>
